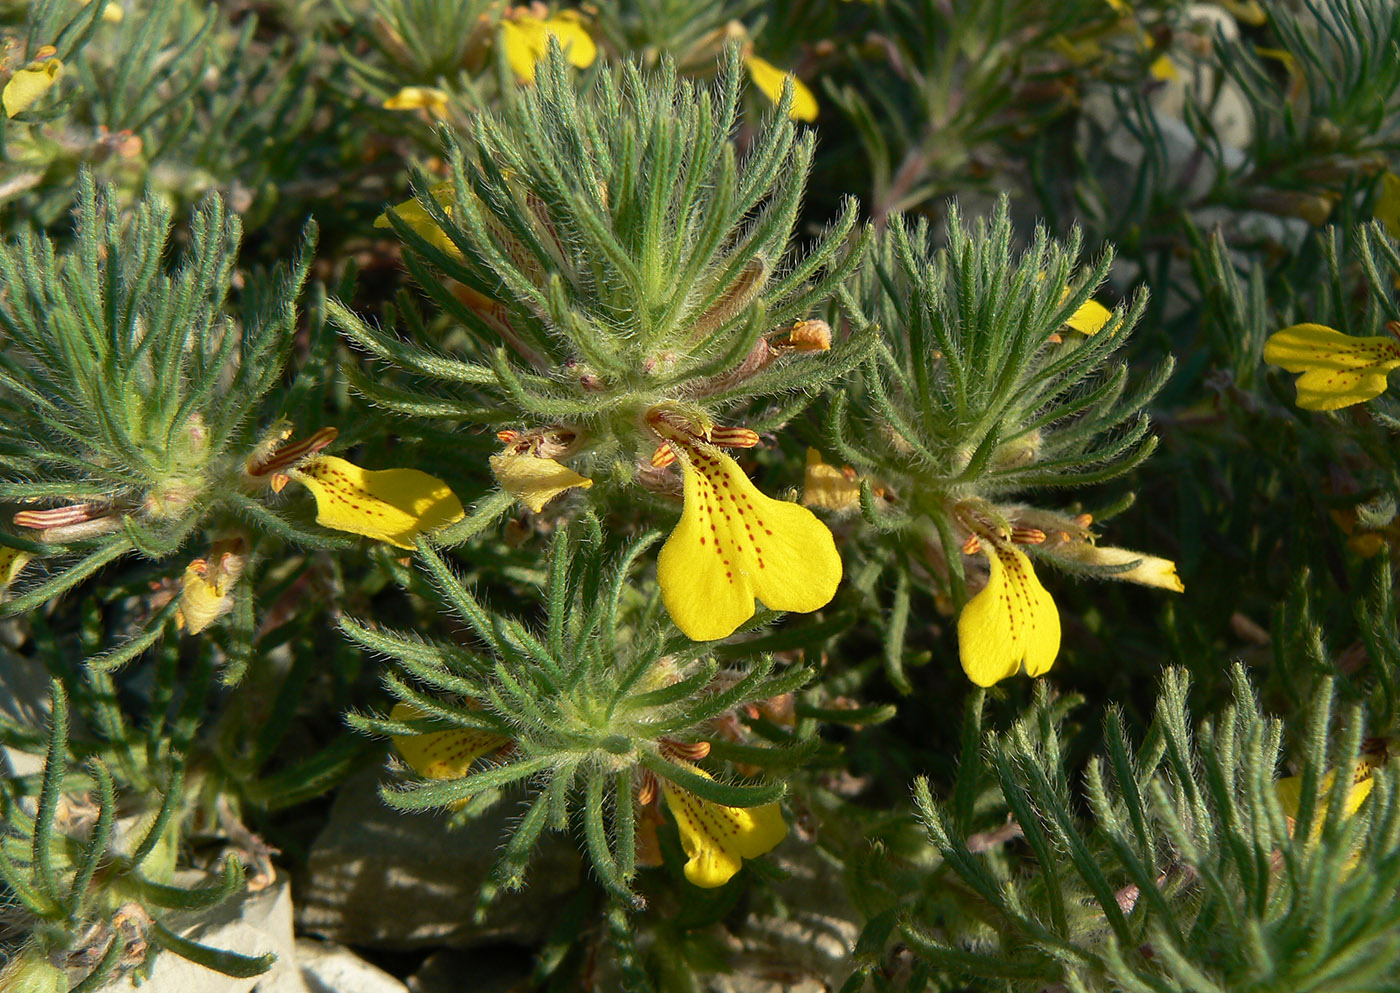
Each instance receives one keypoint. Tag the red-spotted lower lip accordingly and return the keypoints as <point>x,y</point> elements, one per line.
<point>289,455</point>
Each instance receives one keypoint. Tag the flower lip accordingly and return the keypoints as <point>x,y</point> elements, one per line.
<point>1012,625</point>
<point>734,544</point>
<point>1337,370</point>
<point>717,838</point>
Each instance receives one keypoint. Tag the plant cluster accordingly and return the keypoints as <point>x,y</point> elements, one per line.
<point>582,433</point>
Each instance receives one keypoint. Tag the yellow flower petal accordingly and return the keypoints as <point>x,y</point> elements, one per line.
<point>717,838</point>
<point>769,79</point>
<point>1089,318</point>
<point>428,98</point>
<point>827,487</point>
<point>535,481</point>
<point>1012,625</point>
<point>441,754</point>
<point>28,84</point>
<point>1388,204</point>
<point>734,544</point>
<point>1337,369</point>
<point>416,216</point>
<point>1149,570</point>
<point>393,505</point>
<point>12,562</point>
<point>527,40</point>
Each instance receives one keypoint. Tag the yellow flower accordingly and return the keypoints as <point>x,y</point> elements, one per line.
<point>428,98</point>
<point>441,754</point>
<point>27,85</point>
<point>1149,570</point>
<point>828,488</point>
<point>533,480</point>
<point>111,13</point>
<point>527,40</point>
<point>1337,369</point>
<point>206,591</point>
<point>1388,204</point>
<point>733,544</point>
<point>769,79</point>
<point>416,216</point>
<point>393,505</point>
<point>1012,625</point>
<point>717,838</point>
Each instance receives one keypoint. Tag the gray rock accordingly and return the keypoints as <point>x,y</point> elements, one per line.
<point>380,877</point>
<point>803,942</point>
<point>330,968</point>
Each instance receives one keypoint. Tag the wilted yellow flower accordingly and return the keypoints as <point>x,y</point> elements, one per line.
<point>829,488</point>
<point>428,98</point>
<point>1149,570</point>
<point>393,505</point>
<point>717,838</point>
<point>27,85</point>
<point>808,336</point>
<point>733,544</point>
<point>1338,370</point>
<point>206,590</point>
<point>533,480</point>
<point>769,79</point>
<point>1012,625</point>
<point>526,41</point>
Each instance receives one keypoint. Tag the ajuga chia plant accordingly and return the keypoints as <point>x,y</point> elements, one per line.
<point>1194,869</point>
<point>994,377</point>
<point>91,884</point>
<point>625,280</point>
<point>599,715</point>
<point>131,402</point>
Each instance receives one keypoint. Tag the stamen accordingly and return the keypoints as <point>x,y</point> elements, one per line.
<point>55,516</point>
<point>291,454</point>
<point>691,751</point>
<point>734,437</point>
<point>646,789</point>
